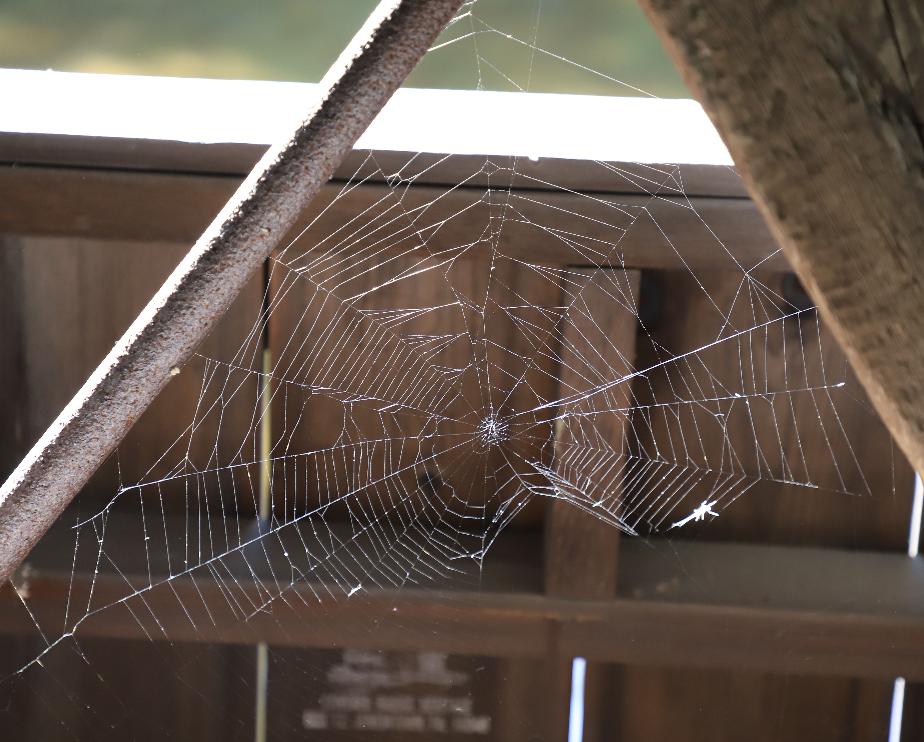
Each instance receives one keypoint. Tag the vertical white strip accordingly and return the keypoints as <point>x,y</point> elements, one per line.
<point>576,714</point>
<point>265,505</point>
<point>914,544</point>
<point>898,706</point>
<point>914,528</point>
<point>262,673</point>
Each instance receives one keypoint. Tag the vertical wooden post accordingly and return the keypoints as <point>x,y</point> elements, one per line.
<point>581,551</point>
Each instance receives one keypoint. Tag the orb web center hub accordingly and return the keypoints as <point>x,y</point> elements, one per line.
<point>493,430</point>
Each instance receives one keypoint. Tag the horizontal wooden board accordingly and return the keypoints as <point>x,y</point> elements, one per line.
<point>769,609</point>
<point>506,625</point>
<point>550,227</point>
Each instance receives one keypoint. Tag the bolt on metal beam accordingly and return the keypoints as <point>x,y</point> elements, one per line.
<point>253,222</point>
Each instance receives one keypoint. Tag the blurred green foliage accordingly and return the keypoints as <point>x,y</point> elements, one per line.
<point>557,45</point>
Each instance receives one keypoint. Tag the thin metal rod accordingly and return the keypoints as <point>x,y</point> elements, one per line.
<point>265,509</point>
<point>194,297</point>
<point>261,701</point>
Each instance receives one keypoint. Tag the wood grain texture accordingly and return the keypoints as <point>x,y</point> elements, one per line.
<point>913,716</point>
<point>789,358</point>
<point>581,551</point>
<point>625,631</point>
<point>820,106</point>
<point>662,705</point>
<point>444,331</point>
<point>793,624</point>
<point>104,697</point>
<point>772,609</point>
<point>658,703</point>
<point>73,298</point>
<point>14,389</point>
<point>631,230</point>
<point>166,156</point>
<point>215,270</point>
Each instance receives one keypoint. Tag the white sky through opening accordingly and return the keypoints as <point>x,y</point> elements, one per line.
<point>914,542</point>
<point>576,712</point>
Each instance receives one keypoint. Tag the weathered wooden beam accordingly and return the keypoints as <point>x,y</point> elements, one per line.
<point>821,105</point>
<point>243,234</point>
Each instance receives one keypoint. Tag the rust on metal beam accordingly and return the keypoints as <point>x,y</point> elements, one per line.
<point>194,297</point>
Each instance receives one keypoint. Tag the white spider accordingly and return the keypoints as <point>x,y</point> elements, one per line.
<point>698,514</point>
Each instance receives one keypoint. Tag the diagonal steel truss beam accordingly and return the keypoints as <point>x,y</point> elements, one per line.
<point>200,290</point>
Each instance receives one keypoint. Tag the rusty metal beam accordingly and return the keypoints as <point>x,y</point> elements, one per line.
<point>194,297</point>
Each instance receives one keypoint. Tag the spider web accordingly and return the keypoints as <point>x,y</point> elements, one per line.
<point>420,371</point>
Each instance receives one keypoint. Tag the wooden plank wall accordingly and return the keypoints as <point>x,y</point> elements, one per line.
<point>101,689</point>
<point>63,303</point>
<point>68,301</point>
<point>64,300</point>
<point>73,313</point>
<point>662,704</point>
